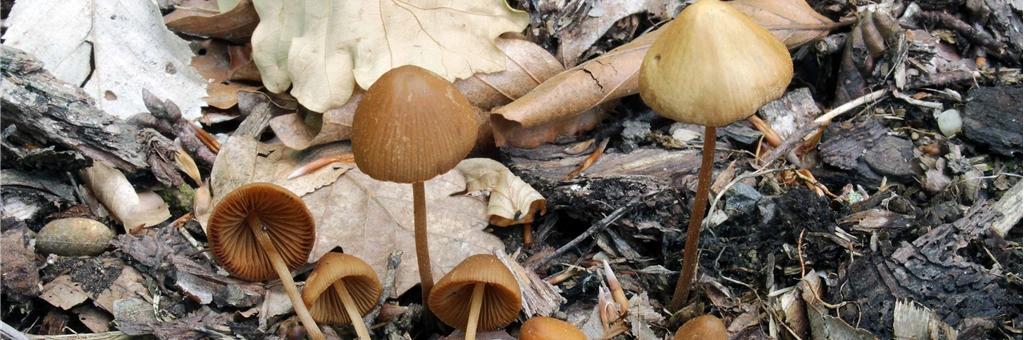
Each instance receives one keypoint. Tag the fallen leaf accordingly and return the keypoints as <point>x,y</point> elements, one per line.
<point>322,49</point>
<point>605,78</point>
<point>234,24</point>
<point>242,67</point>
<point>213,62</point>
<point>125,205</point>
<point>63,293</point>
<point>601,17</point>
<point>512,134</point>
<point>335,125</point>
<point>512,201</point>
<point>526,66</point>
<point>365,217</point>
<point>792,21</point>
<point>115,48</point>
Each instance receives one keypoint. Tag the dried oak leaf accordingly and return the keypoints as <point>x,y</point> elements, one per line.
<point>512,201</point>
<point>213,62</point>
<point>125,205</point>
<point>322,49</point>
<point>367,218</point>
<point>114,48</point>
<point>234,24</point>
<point>792,21</point>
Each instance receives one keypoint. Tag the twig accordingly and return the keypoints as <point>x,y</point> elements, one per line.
<point>600,225</point>
<point>589,161</point>
<point>805,130</point>
<point>990,44</point>
<point>394,260</point>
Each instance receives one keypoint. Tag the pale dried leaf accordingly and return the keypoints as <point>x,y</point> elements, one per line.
<point>186,164</point>
<point>115,48</point>
<point>324,48</point>
<point>366,218</point>
<point>63,293</point>
<point>512,201</point>
<point>125,205</point>
<point>580,37</point>
<point>335,125</point>
<point>792,21</point>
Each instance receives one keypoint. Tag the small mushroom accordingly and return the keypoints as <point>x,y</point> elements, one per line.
<point>413,125</point>
<point>354,290</point>
<point>262,231</point>
<point>480,293</point>
<point>704,327</point>
<point>712,66</point>
<point>547,328</point>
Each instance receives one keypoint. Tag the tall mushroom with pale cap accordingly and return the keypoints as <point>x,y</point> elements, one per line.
<point>413,125</point>
<point>478,294</point>
<point>262,231</point>
<point>340,290</point>
<point>712,66</point>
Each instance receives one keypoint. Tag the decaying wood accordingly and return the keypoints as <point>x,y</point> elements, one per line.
<point>59,113</point>
<point>1010,206</point>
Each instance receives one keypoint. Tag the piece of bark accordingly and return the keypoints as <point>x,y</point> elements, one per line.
<point>1010,206</point>
<point>20,279</point>
<point>59,113</point>
<point>845,142</point>
<point>30,197</point>
<point>992,118</point>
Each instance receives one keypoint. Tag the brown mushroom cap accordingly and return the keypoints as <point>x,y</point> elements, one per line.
<point>360,281</point>
<point>546,328</point>
<point>713,66</point>
<point>450,298</point>
<point>706,327</point>
<point>285,218</point>
<point>411,126</point>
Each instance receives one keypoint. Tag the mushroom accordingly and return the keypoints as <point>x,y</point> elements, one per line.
<point>262,231</point>
<point>479,293</point>
<point>413,125</point>
<point>704,327</point>
<point>712,66</point>
<point>356,290</point>
<point>547,328</point>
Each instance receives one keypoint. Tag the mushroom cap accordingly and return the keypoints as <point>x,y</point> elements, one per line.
<point>705,327</point>
<point>451,297</point>
<point>324,303</point>
<point>411,126</point>
<point>713,66</point>
<point>285,217</point>
<point>547,328</point>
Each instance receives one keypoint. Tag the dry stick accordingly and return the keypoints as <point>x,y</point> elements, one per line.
<point>696,217</point>
<point>589,161</point>
<point>798,136</point>
<point>600,225</point>
<point>990,44</point>
<point>394,260</point>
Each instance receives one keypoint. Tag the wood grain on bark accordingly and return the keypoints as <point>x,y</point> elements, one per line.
<point>62,114</point>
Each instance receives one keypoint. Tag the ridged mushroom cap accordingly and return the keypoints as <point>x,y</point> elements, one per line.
<point>704,327</point>
<point>280,212</point>
<point>412,125</point>
<point>451,296</point>
<point>547,328</point>
<point>713,66</point>
<point>323,300</point>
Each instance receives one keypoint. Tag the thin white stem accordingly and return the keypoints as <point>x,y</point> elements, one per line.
<point>474,310</point>
<point>350,308</point>
<point>287,282</point>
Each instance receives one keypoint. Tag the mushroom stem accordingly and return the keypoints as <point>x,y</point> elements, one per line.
<point>474,310</point>
<point>527,235</point>
<point>350,308</point>
<point>419,207</point>
<point>696,217</point>
<point>286,280</point>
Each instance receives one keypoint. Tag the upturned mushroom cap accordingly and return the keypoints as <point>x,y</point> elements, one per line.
<point>546,328</point>
<point>280,212</point>
<point>450,298</point>
<point>713,66</point>
<point>323,301</point>
<point>411,126</point>
<point>704,327</point>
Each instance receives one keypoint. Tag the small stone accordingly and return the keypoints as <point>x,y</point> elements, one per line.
<point>741,199</point>
<point>74,237</point>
